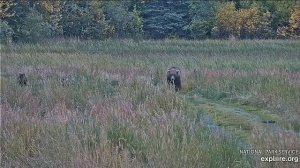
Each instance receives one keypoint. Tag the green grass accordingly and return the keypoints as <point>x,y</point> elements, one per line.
<point>106,103</point>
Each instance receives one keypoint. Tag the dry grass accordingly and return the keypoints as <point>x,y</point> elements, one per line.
<point>106,104</point>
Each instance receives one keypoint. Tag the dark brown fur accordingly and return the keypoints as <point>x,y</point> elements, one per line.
<point>173,78</point>
<point>22,79</point>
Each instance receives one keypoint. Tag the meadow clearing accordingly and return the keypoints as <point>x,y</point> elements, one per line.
<point>106,103</point>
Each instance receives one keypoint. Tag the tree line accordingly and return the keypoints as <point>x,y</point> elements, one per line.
<point>33,20</point>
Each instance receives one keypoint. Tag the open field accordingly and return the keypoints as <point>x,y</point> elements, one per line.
<point>106,103</point>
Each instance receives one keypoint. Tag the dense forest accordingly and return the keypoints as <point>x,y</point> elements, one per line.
<point>35,21</point>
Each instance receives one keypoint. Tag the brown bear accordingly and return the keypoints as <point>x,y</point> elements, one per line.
<point>173,78</point>
<point>22,79</point>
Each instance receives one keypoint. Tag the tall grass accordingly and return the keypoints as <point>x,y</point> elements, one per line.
<point>106,104</point>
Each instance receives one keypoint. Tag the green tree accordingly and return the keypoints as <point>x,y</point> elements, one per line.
<point>51,11</point>
<point>84,19</point>
<point>18,11</point>
<point>35,28</point>
<point>126,23</point>
<point>203,18</point>
<point>6,33</point>
<point>164,19</point>
<point>280,10</point>
<point>74,20</point>
<point>27,23</point>
<point>99,27</point>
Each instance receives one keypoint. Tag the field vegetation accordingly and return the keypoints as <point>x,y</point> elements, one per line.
<point>106,103</point>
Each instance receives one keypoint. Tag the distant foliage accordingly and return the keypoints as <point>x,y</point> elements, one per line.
<point>264,28</point>
<point>164,19</point>
<point>203,18</point>
<point>85,20</point>
<point>99,27</point>
<point>75,19</point>
<point>51,11</point>
<point>125,23</point>
<point>6,33</point>
<point>156,19</point>
<point>227,21</point>
<point>283,32</point>
<point>35,28</point>
<point>249,19</point>
<point>245,23</point>
<point>281,12</point>
<point>5,11</point>
<point>295,21</point>
<point>15,16</point>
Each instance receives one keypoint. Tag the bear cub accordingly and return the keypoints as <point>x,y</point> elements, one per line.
<point>22,79</point>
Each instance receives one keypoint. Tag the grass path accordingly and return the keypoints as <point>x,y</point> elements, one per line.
<point>237,119</point>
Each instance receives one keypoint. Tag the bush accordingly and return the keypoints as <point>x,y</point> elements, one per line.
<point>6,33</point>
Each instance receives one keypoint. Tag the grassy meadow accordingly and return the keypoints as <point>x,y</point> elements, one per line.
<point>106,103</point>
